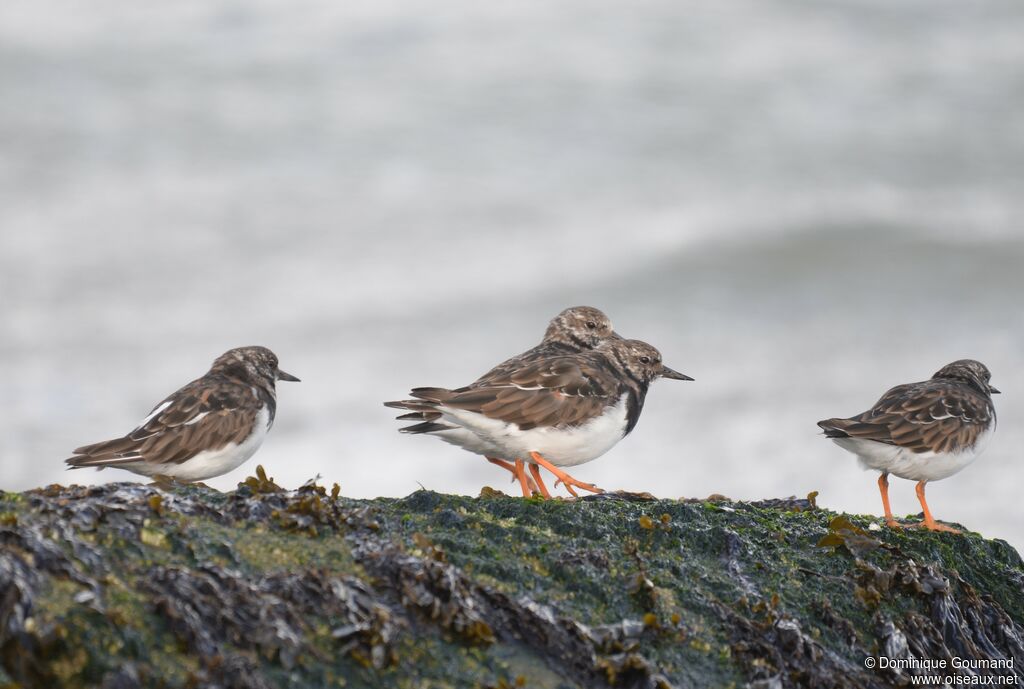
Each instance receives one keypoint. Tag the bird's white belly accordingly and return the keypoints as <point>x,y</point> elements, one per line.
<point>562,446</point>
<point>468,440</point>
<point>211,463</point>
<point>901,462</point>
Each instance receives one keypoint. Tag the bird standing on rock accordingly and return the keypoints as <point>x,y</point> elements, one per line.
<point>575,329</point>
<point>205,429</point>
<point>552,412</point>
<point>923,431</point>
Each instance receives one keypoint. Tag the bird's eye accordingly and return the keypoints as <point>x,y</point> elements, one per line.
<point>591,325</point>
<point>645,360</point>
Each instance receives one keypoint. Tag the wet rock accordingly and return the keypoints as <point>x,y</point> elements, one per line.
<point>126,677</point>
<point>126,585</point>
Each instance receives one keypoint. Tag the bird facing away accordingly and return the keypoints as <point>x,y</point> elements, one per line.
<point>205,429</point>
<point>576,329</point>
<point>552,412</point>
<point>923,431</point>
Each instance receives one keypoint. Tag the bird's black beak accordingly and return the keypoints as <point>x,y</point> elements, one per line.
<point>281,375</point>
<point>993,391</point>
<point>666,372</point>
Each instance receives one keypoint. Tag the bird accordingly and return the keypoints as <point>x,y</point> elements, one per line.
<point>205,429</point>
<point>551,411</point>
<point>575,329</point>
<point>922,432</point>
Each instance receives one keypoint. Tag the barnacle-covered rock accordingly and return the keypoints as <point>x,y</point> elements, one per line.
<point>125,585</point>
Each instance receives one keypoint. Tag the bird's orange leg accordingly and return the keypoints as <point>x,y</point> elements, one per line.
<point>504,465</point>
<point>564,478</point>
<point>929,521</point>
<point>883,488</point>
<point>511,468</point>
<point>535,470</point>
<point>520,474</point>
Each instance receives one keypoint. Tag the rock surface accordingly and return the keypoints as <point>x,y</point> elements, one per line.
<point>125,585</point>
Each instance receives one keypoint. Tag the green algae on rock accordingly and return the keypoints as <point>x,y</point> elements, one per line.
<point>125,585</point>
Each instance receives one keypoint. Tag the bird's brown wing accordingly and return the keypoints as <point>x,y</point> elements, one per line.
<point>203,415</point>
<point>560,391</point>
<point>418,410</point>
<point>933,416</point>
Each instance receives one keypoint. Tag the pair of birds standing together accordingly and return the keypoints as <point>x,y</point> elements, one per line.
<point>562,403</point>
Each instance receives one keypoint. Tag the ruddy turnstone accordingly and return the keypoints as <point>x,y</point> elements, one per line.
<point>923,431</point>
<point>205,429</point>
<point>575,329</point>
<point>556,411</point>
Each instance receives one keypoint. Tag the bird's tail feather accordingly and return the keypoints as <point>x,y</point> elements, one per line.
<point>426,427</point>
<point>86,461</point>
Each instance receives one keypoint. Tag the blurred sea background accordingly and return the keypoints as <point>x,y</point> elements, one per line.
<point>800,204</point>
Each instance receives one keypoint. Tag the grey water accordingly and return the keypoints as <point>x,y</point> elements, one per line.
<point>800,204</point>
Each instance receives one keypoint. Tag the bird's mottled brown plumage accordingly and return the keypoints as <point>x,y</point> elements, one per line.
<point>575,329</point>
<point>946,413</point>
<point>207,414</point>
<point>560,391</point>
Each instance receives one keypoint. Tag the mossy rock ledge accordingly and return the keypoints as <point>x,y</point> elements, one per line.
<point>127,585</point>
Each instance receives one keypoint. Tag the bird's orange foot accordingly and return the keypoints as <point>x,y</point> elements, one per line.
<point>936,526</point>
<point>569,482</point>
<point>893,524</point>
<point>565,479</point>
<point>929,521</point>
